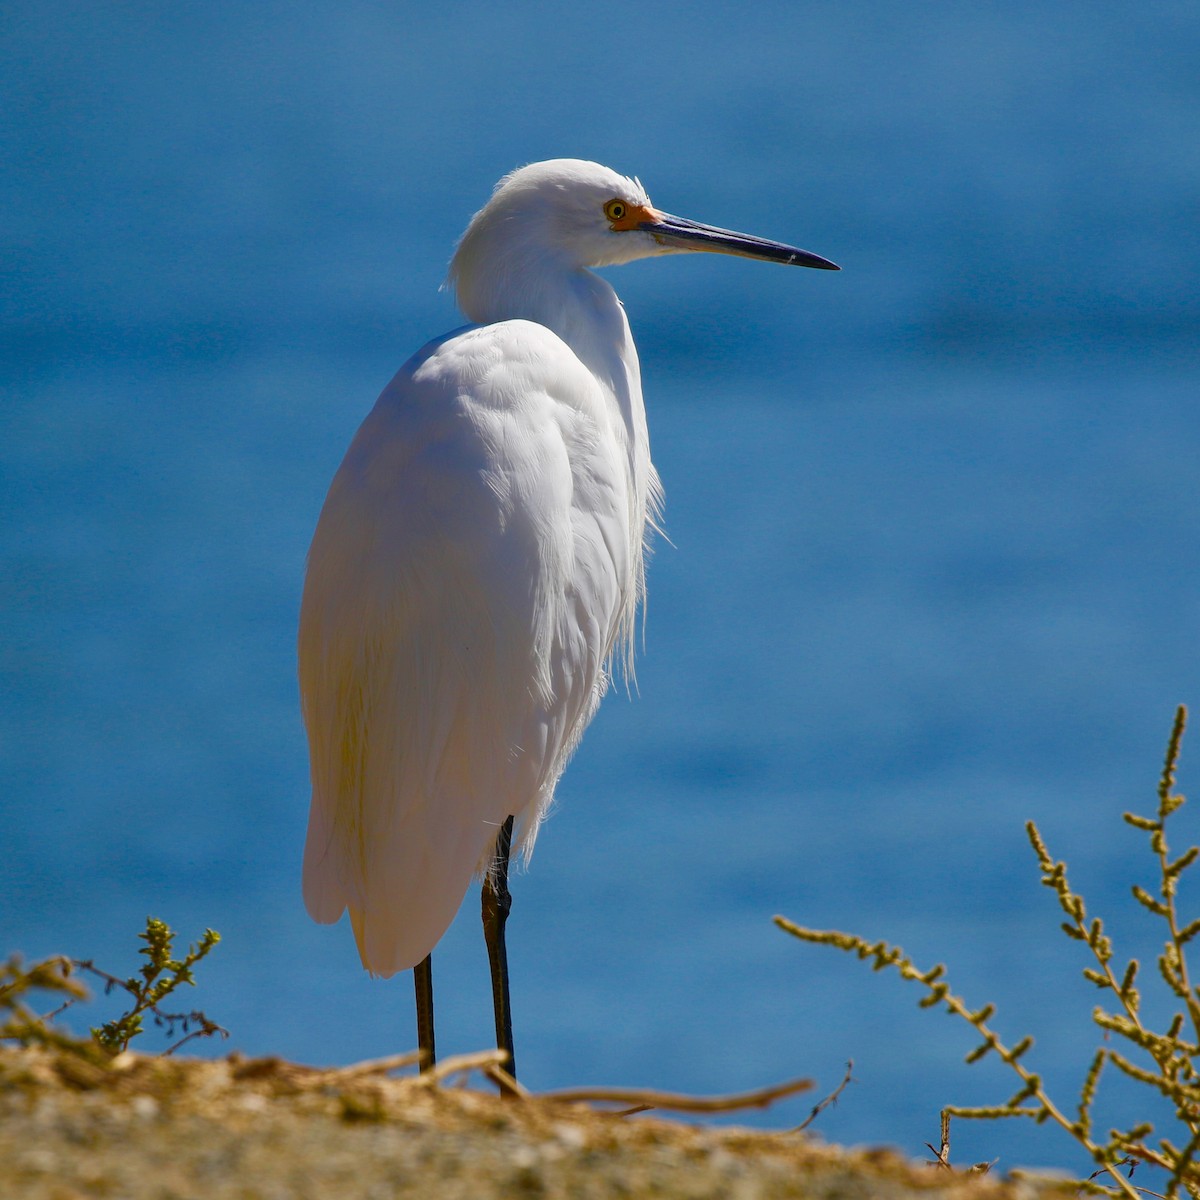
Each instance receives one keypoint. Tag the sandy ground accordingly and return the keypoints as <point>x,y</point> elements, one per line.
<point>167,1128</point>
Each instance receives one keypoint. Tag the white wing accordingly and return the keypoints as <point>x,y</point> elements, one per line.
<point>465,586</point>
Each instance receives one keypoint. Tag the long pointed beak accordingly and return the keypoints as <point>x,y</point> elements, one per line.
<point>678,233</point>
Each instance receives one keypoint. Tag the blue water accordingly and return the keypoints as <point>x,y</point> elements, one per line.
<point>933,520</point>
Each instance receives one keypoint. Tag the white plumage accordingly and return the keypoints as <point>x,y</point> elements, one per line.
<point>478,562</point>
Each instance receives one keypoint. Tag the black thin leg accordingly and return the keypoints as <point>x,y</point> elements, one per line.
<point>497,902</point>
<point>423,980</point>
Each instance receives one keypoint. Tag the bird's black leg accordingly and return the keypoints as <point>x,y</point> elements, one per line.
<point>496,904</point>
<point>423,980</point>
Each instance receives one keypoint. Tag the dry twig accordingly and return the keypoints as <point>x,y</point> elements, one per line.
<point>831,1099</point>
<point>646,1098</point>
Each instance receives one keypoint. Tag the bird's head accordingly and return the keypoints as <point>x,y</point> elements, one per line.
<point>569,214</point>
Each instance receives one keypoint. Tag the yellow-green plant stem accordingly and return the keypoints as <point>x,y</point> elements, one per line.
<point>1176,1076</point>
<point>884,956</point>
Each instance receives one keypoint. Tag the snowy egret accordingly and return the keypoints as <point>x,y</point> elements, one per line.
<point>477,568</point>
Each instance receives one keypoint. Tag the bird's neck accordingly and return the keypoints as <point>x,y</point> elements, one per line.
<point>585,312</point>
<point>572,302</point>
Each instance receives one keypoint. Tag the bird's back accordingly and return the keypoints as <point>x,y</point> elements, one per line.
<point>469,576</point>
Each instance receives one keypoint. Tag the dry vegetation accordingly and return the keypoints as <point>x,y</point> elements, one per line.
<point>143,1126</point>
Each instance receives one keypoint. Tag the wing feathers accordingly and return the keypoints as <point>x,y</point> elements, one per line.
<point>464,590</point>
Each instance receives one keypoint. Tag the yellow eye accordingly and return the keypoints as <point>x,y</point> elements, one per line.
<point>614,210</point>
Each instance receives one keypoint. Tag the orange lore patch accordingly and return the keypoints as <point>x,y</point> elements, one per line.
<point>633,217</point>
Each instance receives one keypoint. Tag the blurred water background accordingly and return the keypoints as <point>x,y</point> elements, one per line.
<point>933,569</point>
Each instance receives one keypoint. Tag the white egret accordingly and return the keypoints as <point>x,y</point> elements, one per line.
<point>477,568</point>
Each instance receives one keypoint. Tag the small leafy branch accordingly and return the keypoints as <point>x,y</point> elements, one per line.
<point>1170,1060</point>
<point>160,976</point>
<point>155,981</point>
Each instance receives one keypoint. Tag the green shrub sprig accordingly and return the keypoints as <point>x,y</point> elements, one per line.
<point>1167,1062</point>
<point>156,980</point>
